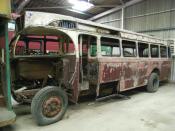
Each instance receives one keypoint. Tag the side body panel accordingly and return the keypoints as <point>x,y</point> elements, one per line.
<point>132,73</point>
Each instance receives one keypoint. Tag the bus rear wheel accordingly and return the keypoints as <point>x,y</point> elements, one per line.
<point>49,105</point>
<point>153,83</point>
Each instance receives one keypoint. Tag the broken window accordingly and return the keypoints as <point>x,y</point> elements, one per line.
<point>55,45</point>
<point>110,47</point>
<point>129,48</point>
<point>154,51</point>
<point>52,47</point>
<point>20,48</point>
<point>35,47</point>
<point>163,51</point>
<point>40,45</point>
<point>88,41</point>
<point>143,49</point>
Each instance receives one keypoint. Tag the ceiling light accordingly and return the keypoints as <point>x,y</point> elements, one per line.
<point>73,1</point>
<point>80,5</point>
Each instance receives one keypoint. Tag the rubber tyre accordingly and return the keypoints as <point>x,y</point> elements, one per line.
<point>153,83</point>
<point>39,99</point>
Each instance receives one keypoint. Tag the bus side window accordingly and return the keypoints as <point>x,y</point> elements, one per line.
<point>143,49</point>
<point>58,45</point>
<point>71,47</point>
<point>20,48</point>
<point>89,45</point>
<point>35,47</point>
<point>110,47</point>
<point>154,51</point>
<point>93,46</point>
<point>129,48</point>
<point>52,47</point>
<point>68,46</point>
<point>169,52</point>
<point>163,51</point>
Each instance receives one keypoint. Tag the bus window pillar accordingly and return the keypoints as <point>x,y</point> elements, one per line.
<point>149,50</point>
<point>122,18</point>
<point>121,48</point>
<point>137,49</point>
<point>159,51</point>
<point>98,47</point>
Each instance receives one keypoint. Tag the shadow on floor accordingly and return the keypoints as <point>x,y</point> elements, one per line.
<point>86,100</point>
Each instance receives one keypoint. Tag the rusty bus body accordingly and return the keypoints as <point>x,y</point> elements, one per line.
<point>91,59</point>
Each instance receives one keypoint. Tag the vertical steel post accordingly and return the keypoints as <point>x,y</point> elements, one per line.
<point>7,61</point>
<point>122,19</point>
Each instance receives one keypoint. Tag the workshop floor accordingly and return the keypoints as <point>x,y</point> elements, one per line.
<point>143,112</point>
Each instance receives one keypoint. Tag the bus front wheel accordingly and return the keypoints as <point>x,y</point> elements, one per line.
<point>49,105</point>
<point>153,83</point>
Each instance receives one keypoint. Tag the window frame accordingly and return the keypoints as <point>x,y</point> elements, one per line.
<point>136,45</point>
<point>43,49</point>
<point>148,49</point>
<point>88,50</point>
<point>108,37</point>
<point>166,51</point>
<point>40,44</point>
<point>153,44</point>
<point>16,46</point>
<point>169,52</point>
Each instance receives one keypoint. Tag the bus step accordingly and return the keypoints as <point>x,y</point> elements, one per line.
<point>120,96</point>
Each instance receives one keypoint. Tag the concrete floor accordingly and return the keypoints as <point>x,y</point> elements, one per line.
<point>143,112</point>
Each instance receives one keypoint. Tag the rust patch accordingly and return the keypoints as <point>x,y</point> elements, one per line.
<point>129,83</point>
<point>132,72</point>
<point>142,70</point>
<point>165,70</point>
<point>75,85</point>
<point>52,106</point>
<point>111,72</point>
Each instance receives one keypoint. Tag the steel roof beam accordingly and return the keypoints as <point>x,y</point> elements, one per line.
<point>115,9</point>
<point>22,5</point>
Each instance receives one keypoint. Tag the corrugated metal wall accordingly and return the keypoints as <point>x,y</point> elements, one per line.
<point>173,70</point>
<point>113,19</point>
<point>154,17</point>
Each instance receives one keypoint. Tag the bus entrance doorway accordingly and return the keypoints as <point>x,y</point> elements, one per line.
<point>86,44</point>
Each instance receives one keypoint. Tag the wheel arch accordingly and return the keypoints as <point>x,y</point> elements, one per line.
<point>156,70</point>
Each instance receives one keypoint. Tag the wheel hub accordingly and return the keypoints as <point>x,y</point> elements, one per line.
<point>52,106</point>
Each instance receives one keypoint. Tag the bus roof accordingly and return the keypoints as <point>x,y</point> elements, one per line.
<point>33,19</point>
